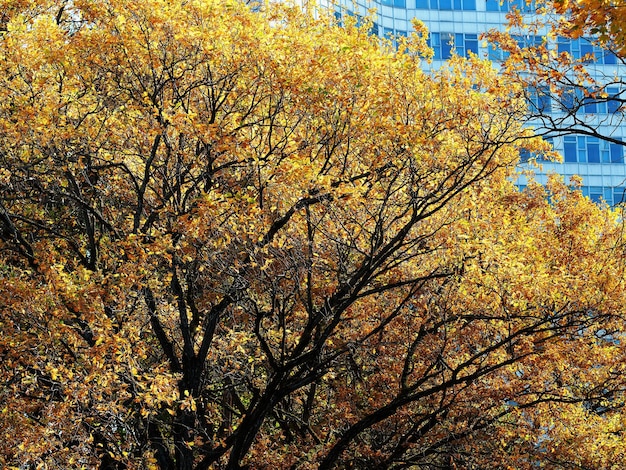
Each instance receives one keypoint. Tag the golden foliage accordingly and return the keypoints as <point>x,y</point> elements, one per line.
<point>250,237</point>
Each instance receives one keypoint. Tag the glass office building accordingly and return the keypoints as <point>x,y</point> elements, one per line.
<point>456,25</point>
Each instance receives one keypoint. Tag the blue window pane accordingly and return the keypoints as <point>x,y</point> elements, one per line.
<point>434,41</point>
<point>544,102</point>
<point>443,4</point>
<point>568,100</point>
<point>422,4</point>
<point>605,154</point>
<point>521,5</point>
<point>591,106</point>
<point>617,153</point>
<point>570,152</point>
<point>582,149</point>
<point>471,45</point>
<point>399,3</point>
<point>613,104</point>
<point>609,58</point>
<point>595,193</point>
<point>497,54</point>
<point>586,49</point>
<point>446,46</point>
<point>493,5</point>
<point>593,150</point>
<point>458,4</point>
<point>618,195</point>
<point>464,43</point>
<point>563,46</point>
<point>469,5</point>
<point>527,41</point>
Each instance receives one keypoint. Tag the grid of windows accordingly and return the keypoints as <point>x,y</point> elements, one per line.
<point>509,5</point>
<point>393,35</point>
<point>394,3</point>
<point>498,55</point>
<point>446,4</point>
<point>600,194</point>
<point>526,155</point>
<point>619,196</point>
<point>603,105</point>
<point>443,44</point>
<point>465,43</point>
<point>374,28</point>
<point>611,195</point>
<point>583,48</point>
<point>606,102</point>
<point>570,99</point>
<point>613,102</point>
<point>539,100</point>
<point>586,149</point>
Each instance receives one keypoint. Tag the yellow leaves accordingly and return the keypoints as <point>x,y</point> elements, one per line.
<point>188,402</point>
<point>236,178</point>
<point>5,176</point>
<point>561,6</point>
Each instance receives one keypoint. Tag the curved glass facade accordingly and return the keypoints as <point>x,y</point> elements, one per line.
<point>456,25</point>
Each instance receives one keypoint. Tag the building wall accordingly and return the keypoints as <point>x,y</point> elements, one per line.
<point>600,164</point>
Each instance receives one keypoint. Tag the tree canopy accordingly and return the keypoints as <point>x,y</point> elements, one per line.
<point>240,237</point>
<point>568,57</point>
<point>604,20</point>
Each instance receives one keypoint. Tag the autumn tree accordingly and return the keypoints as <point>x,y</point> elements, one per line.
<point>235,237</point>
<point>569,56</point>
<point>602,20</point>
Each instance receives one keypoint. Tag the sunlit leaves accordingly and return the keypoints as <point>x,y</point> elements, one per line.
<point>233,237</point>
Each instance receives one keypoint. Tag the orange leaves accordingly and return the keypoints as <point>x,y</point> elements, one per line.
<point>599,18</point>
<point>254,237</point>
